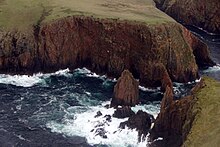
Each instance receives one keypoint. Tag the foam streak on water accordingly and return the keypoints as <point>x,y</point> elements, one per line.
<point>85,124</point>
<point>29,81</point>
<point>212,69</point>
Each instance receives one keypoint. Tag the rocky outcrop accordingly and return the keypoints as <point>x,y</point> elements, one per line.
<point>200,50</point>
<point>200,13</point>
<point>123,112</point>
<point>141,121</point>
<point>126,92</point>
<point>175,119</point>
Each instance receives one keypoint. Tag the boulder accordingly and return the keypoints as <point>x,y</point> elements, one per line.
<point>99,113</point>
<point>123,112</point>
<point>141,121</point>
<point>108,118</point>
<point>126,91</point>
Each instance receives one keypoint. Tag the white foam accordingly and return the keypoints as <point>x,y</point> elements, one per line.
<point>149,89</point>
<point>153,109</point>
<point>212,69</point>
<point>84,122</point>
<point>89,73</point>
<point>62,72</point>
<point>20,80</point>
<point>29,81</point>
<point>196,81</point>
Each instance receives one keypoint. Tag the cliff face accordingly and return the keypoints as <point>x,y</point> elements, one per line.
<point>104,36</point>
<point>176,118</point>
<point>201,13</point>
<point>103,45</point>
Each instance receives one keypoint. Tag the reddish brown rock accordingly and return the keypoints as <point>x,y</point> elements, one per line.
<point>105,46</point>
<point>126,91</point>
<point>200,50</point>
<point>201,13</point>
<point>175,119</point>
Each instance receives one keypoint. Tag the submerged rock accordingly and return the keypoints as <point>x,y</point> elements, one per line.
<point>126,91</point>
<point>123,112</point>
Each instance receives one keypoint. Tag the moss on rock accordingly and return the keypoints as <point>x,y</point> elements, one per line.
<point>205,131</point>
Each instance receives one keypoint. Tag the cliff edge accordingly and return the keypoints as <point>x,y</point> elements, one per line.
<point>191,121</point>
<point>206,126</point>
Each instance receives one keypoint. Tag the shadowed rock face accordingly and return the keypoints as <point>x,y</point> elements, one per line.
<point>126,92</point>
<point>141,121</point>
<point>201,13</point>
<point>175,119</point>
<point>200,51</point>
<point>105,46</point>
<point>123,112</point>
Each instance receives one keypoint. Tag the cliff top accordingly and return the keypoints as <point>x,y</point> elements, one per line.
<point>23,14</point>
<point>205,129</point>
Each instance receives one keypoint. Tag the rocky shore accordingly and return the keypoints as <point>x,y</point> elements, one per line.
<point>112,37</point>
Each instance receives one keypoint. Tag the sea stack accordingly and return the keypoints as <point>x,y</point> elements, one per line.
<point>126,90</point>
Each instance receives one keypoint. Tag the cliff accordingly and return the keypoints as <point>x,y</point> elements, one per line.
<point>105,36</point>
<point>192,120</point>
<point>206,126</point>
<point>200,13</point>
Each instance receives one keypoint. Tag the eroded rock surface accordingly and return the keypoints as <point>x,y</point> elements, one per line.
<point>201,13</point>
<point>141,121</point>
<point>126,91</point>
<point>102,45</point>
<point>154,49</point>
<point>175,119</point>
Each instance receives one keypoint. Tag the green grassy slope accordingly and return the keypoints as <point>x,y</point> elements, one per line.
<point>22,14</point>
<point>205,131</point>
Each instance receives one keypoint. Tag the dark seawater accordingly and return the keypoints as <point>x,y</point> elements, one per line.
<point>213,42</point>
<point>58,110</point>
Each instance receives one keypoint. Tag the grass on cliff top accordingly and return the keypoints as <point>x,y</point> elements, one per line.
<point>22,14</point>
<point>205,131</point>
